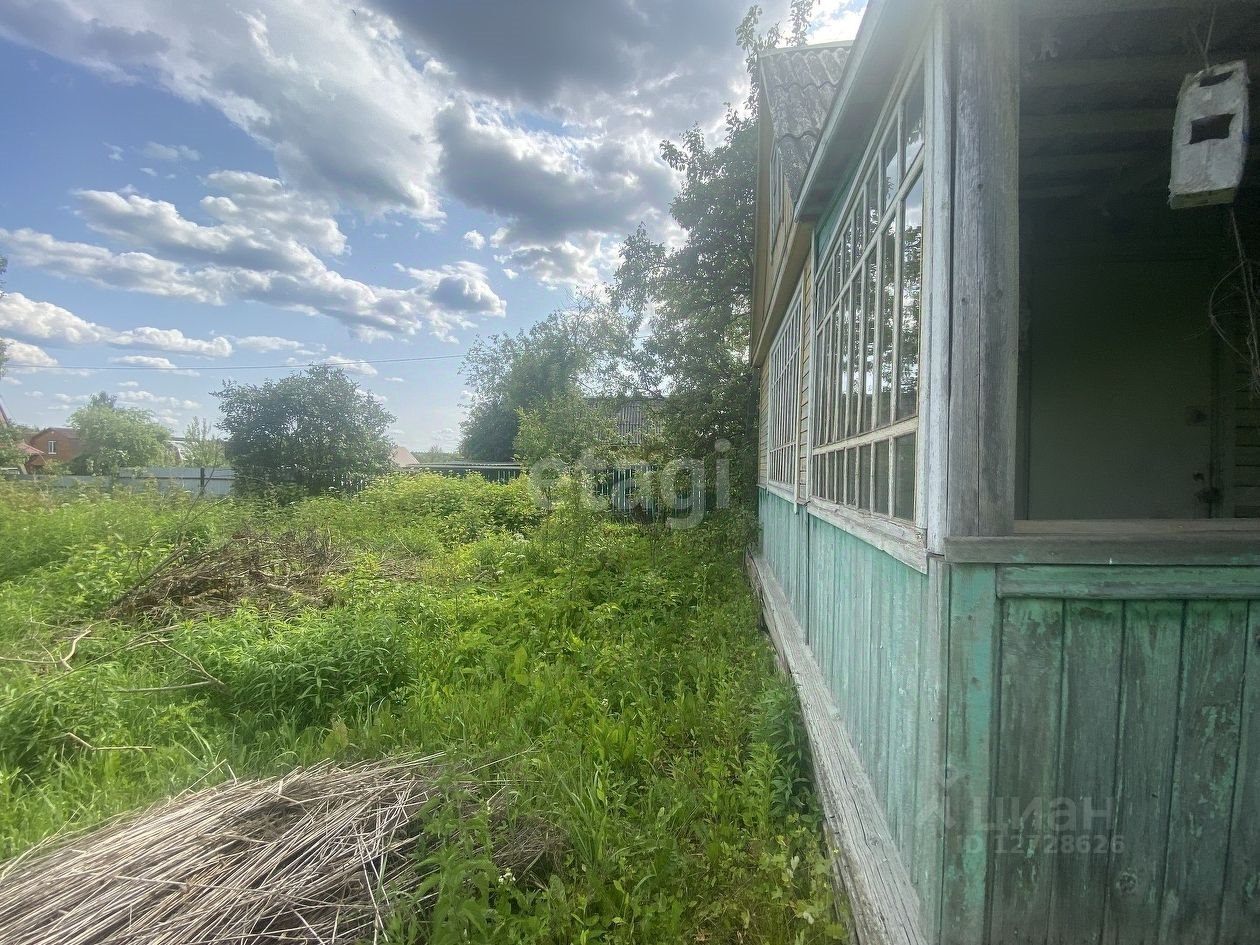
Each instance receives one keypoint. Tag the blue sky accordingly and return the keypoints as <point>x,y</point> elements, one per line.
<point>213,187</point>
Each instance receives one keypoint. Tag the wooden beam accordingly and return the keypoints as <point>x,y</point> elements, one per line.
<point>1121,582</point>
<point>1114,70</point>
<point>1121,121</point>
<point>984,319</point>
<point>1032,10</point>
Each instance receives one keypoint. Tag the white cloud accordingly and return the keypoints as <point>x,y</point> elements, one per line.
<point>46,322</point>
<point>150,362</point>
<point>126,384</point>
<point>146,399</point>
<point>395,380</point>
<point>264,203</point>
<point>475,239</point>
<point>266,343</point>
<point>351,365</point>
<point>115,152</point>
<point>148,170</point>
<point>169,152</point>
<point>836,20</point>
<point>330,89</point>
<point>21,354</point>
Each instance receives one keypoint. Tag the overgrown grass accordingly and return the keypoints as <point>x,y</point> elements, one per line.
<point>615,674</point>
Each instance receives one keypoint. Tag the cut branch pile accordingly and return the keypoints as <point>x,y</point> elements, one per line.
<point>309,857</point>
<point>284,571</point>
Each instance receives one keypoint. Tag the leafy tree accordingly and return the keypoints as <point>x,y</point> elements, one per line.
<point>580,347</point>
<point>699,293</point>
<point>201,447</point>
<point>310,432</point>
<point>569,426</point>
<point>114,437</point>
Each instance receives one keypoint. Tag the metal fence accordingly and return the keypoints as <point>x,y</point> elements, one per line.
<point>201,480</point>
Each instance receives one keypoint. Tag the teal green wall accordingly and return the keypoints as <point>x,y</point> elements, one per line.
<point>865,616</point>
<point>1126,732</point>
<point>1001,712</point>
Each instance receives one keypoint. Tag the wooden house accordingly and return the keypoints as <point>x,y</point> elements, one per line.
<point>1010,468</point>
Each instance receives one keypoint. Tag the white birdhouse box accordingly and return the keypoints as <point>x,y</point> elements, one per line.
<point>1210,137</point>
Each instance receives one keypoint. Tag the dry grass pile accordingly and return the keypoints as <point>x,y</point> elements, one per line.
<point>284,571</point>
<point>310,857</point>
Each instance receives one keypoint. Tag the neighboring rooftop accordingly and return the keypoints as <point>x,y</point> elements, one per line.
<point>800,82</point>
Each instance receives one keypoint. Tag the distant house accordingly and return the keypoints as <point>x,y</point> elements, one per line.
<point>52,445</point>
<point>402,458</point>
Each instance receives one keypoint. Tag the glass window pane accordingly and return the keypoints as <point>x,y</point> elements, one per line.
<point>881,477</point>
<point>842,409</point>
<point>864,477</point>
<point>869,359</point>
<point>855,358</point>
<point>887,323</point>
<point>859,228</point>
<point>890,165</point>
<point>847,254</point>
<point>832,467</point>
<point>911,302</point>
<point>850,463</point>
<point>873,207</point>
<point>904,470</point>
<point>912,122</point>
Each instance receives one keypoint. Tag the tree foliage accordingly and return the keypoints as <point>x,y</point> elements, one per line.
<point>310,432</point>
<point>115,437</point>
<point>570,427</point>
<point>698,294</point>
<point>201,447</point>
<point>674,323</point>
<point>575,351</point>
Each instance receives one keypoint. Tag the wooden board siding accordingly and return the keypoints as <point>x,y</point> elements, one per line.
<point>866,620</point>
<point>1107,770</point>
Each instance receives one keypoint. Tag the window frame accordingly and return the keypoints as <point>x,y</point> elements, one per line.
<point>783,365</point>
<point>52,448</point>
<point>905,539</point>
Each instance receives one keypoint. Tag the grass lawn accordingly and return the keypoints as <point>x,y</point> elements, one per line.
<point>612,677</point>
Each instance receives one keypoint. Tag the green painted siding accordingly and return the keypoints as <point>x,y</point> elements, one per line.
<point>1107,761</point>
<point>866,620</point>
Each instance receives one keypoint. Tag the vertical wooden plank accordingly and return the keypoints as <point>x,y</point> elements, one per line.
<point>1204,770</point>
<point>1240,903</point>
<point>1025,773</point>
<point>1150,675</point>
<point>1093,639</point>
<point>985,287</point>
<point>880,592</point>
<point>939,169</point>
<point>972,683</point>
<point>929,796</point>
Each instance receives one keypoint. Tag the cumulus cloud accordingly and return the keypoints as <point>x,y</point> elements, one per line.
<point>54,325</point>
<point>362,368</point>
<point>152,363</point>
<point>330,89</point>
<point>836,20</point>
<point>549,51</point>
<point>224,263</point>
<point>475,239</point>
<point>264,203</point>
<point>548,186</point>
<point>21,354</point>
<point>169,152</point>
<point>144,398</point>
<point>266,343</point>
